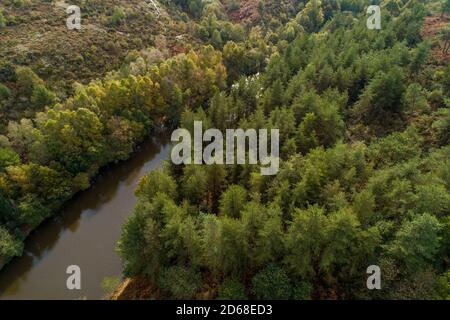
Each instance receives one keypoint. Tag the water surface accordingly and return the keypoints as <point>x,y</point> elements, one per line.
<point>85,233</point>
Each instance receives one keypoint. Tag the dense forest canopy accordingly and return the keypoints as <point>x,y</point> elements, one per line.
<point>364,131</point>
<point>364,177</point>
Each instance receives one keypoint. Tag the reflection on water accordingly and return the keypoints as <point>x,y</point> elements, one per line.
<point>84,234</point>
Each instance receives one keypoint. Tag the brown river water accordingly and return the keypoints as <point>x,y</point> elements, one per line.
<point>85,234</point>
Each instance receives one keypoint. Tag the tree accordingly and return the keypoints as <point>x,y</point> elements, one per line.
<point>118,16</point>
<point>7,73</point>
<point>395,148</point>
<point>348,246</point>
<point>415,98</point>
<point>216,181</point>
<point>8,158</point>
<point>194,185</point>
<point>223,252</point>
<point>4,92</point>
<point>179,236</point>
<point>273,97</point>
<point>216,39</point>
<point>272,283</point>
<point>332,247</point>
<point>444,284</point>
<point>269,243</point>
<point>325,127</point>
<point>234,254</point>
<point>140,247</point>
<point>445,37</point>
<point>445,7</point>
<point>311,17</point>
<point>42,97</point>
<point>211,244</point>
<point>156,182</point>
<point>416,242</point>
<point>446,80</point>
<point>73,138</point>
<point>27,80</point>
<point>330,7</point>
<point>22,136</point>
<point>442,127</point>
<point>123,134</point>
<point>7,211</point>
<point>284,120</point>
<point>420,57</point>
<point>233,201</point>
<point>231,289</point>
<point>382,96</point>
<point>305,242</point>
<point>194,7</point>
<point>31,211</point>
<point>2,20</point>
<point>41,184</point>
<point>9,246</point>
<point>235,60</point>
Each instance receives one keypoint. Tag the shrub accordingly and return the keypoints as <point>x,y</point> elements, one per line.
<point>118,16</point>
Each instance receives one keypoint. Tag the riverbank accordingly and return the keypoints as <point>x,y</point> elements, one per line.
<point>25,231</point>
<point>84,233</point>
<point>133,289</point>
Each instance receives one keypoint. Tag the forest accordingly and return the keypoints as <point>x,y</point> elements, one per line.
<point>364,126</point>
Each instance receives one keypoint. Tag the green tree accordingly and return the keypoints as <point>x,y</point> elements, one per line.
<point>445,38</point>
<point>223,252</point>
<point>311,17</point>
<point>272,283</point>
<point>7,210</point>
<point>42,97</point>
<point>4,92</point>
<point>140,247</point>
<point>2,20</point>
<point>420,57</point>
<point>194,185</point>
<point>415,98</point>
<point>233,201</point>
<point>235,60</point>
<point>27,80</point>
<point>216,181</point>
<point>118,16</point>
<point>73,138</point>
<point>156,182</point>
<point>445,7</point>
<point>216,39</point>
<point>8,158</point>
<point>382,96</point>
<point>22,136</point>
<point>7,73</point>
<point>416,242</point>
<point>442,127</point>
<point>305,241</point>
<point>231,289</point>
<point>9,246</point>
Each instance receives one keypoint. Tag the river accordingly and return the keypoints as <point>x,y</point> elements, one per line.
<point>85,234</point>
